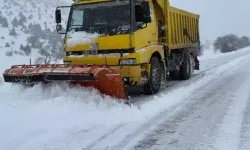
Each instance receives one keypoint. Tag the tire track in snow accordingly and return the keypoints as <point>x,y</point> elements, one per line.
<point>98,140</point>
<point>142,129</point>
<point>213,98</point>
<point>170,85</point>
<point>230,129</point>
<point>172,133</point>
<point>245,131</point>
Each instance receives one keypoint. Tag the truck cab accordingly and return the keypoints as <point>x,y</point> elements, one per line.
<point>135,37</point>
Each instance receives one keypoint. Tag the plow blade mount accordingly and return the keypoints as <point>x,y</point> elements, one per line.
<point>107,80</point>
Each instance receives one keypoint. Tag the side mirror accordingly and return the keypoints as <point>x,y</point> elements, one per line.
<point>58,16</point>
<point>143,13</point>
<point>58,28</point>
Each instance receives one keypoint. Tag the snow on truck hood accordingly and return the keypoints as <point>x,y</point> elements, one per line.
<point>81,37</point>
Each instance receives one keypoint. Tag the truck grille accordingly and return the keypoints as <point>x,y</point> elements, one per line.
<point>96,52</point>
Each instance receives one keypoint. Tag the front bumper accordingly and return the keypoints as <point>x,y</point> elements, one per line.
<point>131,73</point>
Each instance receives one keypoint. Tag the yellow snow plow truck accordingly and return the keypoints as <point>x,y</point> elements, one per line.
<point>110,44</point>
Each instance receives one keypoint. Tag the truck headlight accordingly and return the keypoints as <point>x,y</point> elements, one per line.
<point>130,61</point>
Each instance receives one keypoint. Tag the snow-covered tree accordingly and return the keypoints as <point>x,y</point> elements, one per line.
<point>227,43</point>
<point>22,19</point>
<point>13,32</point>
<point>14,22</point>
<point>48,55</point>
<point>30,17</point>
<point>25,49</point>
<point>7,44</point>
<point>33,40</point>
<point>244,41</point>
<point>5,23</point>
<point>9,53</point>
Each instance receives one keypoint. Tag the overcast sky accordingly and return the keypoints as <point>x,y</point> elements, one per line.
<point>219,17</point>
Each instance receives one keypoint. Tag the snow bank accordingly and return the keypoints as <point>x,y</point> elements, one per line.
<point>44,114</point>
<point>210,54</point>
<point>80,37</point>
<point>61,100</point>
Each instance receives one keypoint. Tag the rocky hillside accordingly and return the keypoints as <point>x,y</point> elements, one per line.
<point>27,27</point>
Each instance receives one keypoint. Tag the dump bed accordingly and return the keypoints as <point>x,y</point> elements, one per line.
<point>178,20</point>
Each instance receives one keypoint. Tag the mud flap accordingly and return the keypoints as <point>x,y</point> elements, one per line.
<point>197,63</point>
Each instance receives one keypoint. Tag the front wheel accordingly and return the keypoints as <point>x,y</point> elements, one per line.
<point>154,83</point>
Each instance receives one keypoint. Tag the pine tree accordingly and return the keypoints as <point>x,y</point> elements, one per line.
<point>30,17</point>
<point>21,47</point>
<point>22,18</point>
<point>13,32</point>
<point>7,45</point>
<point>14,22</point>
<point>26,49</point>
<point>5,23</point>
<point>33,40</point>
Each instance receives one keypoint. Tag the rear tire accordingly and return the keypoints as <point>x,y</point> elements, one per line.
<point>185,70</point>
<point>154,83</point>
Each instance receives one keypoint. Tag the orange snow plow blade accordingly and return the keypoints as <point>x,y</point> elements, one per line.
<point>106,80</point>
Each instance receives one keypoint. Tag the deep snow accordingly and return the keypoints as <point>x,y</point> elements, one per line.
<point>63,117</point>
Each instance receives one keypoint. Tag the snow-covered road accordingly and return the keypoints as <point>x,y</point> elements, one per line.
<point>209,111</point>
<point>215,116</point>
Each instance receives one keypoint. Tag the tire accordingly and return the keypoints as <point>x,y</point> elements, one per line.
<point>185,70</point>
<point>154,83</point>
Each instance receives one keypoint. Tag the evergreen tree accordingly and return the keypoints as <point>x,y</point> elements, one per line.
<point>26,49</point>
<point>13,32</point>
<point>22,19</point>
<point>21,47</point>
<point>9,53</point>
<point>5,23</point>
<point>30,17</point>
<point>33,40</point>
<point>7,45</point>
<point>14,22</point>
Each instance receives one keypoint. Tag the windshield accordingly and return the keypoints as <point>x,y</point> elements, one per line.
<point>104,18</point>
